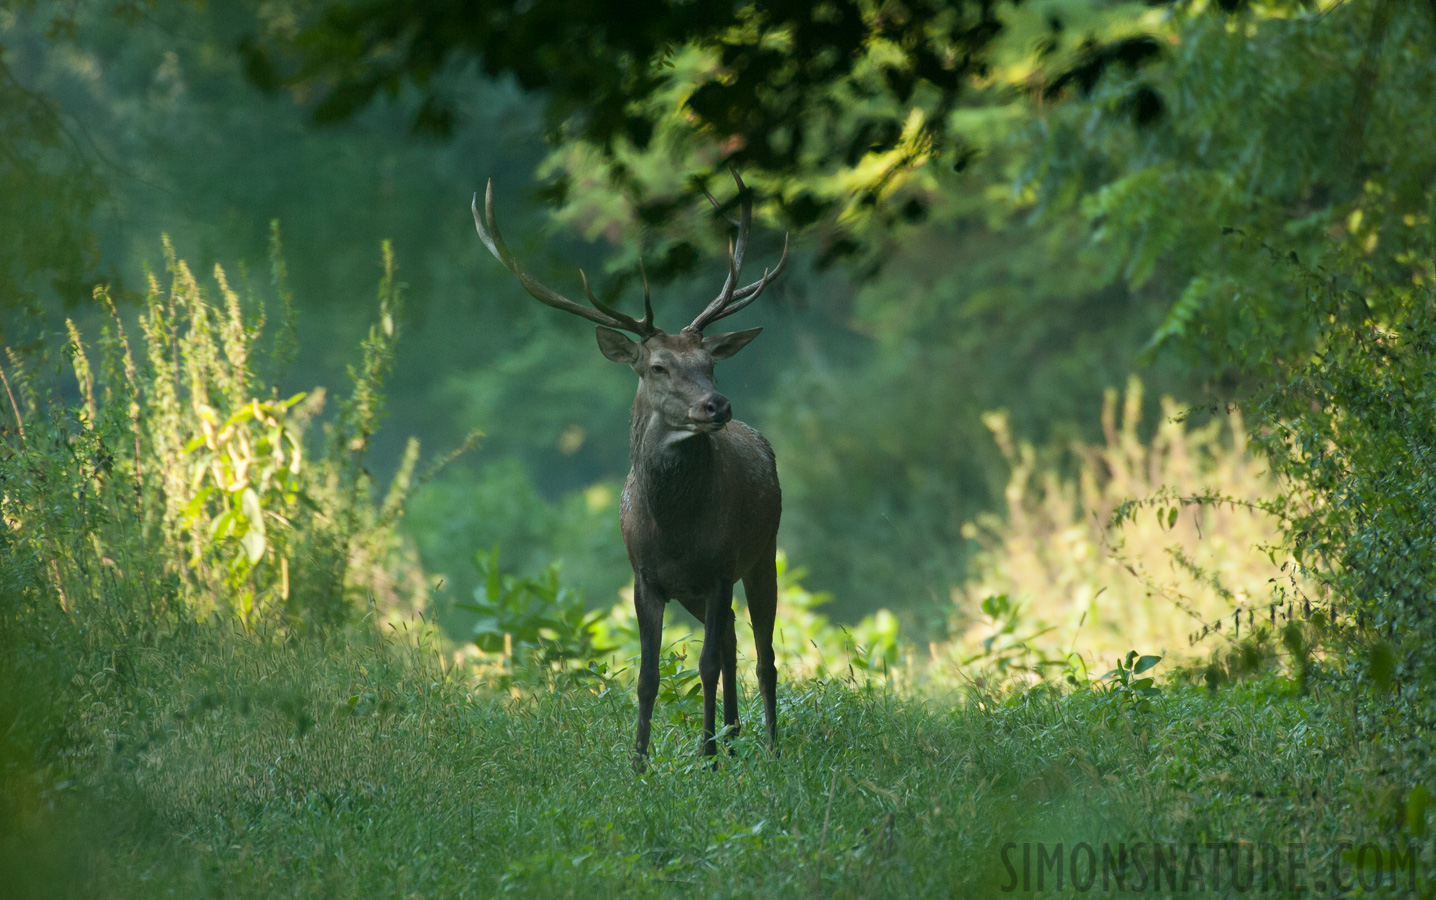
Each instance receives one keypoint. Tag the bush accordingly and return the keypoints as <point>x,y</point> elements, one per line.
<point>1352,429</point>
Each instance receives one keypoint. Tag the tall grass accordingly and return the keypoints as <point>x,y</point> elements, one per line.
<point>1146,545</point>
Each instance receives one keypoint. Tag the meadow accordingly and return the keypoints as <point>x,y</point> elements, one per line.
<point>214,762</point>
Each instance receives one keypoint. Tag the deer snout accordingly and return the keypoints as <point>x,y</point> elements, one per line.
<point>714,408</point>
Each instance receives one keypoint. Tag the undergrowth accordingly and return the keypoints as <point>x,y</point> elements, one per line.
<point>215,683</point>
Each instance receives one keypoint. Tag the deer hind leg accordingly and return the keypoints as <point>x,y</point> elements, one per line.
<point>648,609</point>
<point>717,620</point>
<point>761,585</point>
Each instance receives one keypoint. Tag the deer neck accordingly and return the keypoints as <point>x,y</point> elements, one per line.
<point>673,470</point>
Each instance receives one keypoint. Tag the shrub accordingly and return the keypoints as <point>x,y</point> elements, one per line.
<point>1352,429</point>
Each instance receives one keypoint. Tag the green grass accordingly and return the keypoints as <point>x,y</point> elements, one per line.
<point>209,763</point>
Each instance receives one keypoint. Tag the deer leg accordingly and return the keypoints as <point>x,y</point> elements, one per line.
<point>730,675</point>
<point>648,609</point>
<point>718,612</point>
<point>761,585</point>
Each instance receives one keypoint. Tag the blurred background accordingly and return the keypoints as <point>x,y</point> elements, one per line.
<point>1001,214</point>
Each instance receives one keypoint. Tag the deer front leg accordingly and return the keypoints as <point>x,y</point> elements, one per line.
<point>717,618</point>
<point>730,676</point>
<point>648,609</point>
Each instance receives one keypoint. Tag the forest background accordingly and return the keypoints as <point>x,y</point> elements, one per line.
<point>1108,341</point>
<point>1068,223</point>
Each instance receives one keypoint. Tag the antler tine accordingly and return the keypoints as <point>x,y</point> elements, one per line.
<point>488,230</point>
<point>716,205</point>
<point>743,296</point>
<point>747,291</point>
<point>629,323</point>
<point>736,251</point>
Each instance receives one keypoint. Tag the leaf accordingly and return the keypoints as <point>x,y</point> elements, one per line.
<point>254,543</point>
<point>253,511</point>
<point>196,503</point>
<point>220,527</point>
<point>995,605</point>
<point>1145,663</point>
<point>243,414</point>
<point>253,537</point>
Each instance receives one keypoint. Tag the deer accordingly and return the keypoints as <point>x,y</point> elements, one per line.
<point>701,503</point>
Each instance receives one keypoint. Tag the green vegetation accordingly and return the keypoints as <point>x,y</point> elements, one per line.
<point>1101,385</point>
<point>257,766</point>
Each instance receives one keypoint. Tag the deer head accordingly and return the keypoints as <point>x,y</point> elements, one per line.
<point>675,371</point>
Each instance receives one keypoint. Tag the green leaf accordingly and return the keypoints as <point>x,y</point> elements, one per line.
<point>244,413</point>
<point>1145,663</point>
<point>254,543</point>
<point>196,503</point>
<point>253,512</point>
<point>221,526</point>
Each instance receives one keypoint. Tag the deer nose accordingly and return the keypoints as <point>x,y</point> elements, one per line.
<point>717,408</point>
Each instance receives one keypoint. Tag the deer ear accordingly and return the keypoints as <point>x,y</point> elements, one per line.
<point>616,346</point>
<point>723,346</point>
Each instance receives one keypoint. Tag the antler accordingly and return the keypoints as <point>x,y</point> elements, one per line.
<point>733,298</point>
<point>602,313</point>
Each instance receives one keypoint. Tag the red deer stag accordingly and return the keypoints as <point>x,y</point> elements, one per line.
<point>701,504</point>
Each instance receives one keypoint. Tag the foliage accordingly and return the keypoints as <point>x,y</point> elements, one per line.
<point>530,621</point>
<point>180,469</point>
<point>1092,575</point>
<point>534,626</point>
<point>777,72</point>
<point>501,506</point>
<point>1352,426</point>
<point>1323,152</point>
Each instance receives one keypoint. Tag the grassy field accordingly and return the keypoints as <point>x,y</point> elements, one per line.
<point>211,763</point>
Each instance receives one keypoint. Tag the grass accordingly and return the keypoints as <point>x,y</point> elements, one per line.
<point>210,762</point>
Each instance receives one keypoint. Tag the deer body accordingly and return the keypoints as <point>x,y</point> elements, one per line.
<point>701,510</point>
<point>702,501</point>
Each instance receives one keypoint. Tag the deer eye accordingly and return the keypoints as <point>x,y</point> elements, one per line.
<point>658,370</point>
